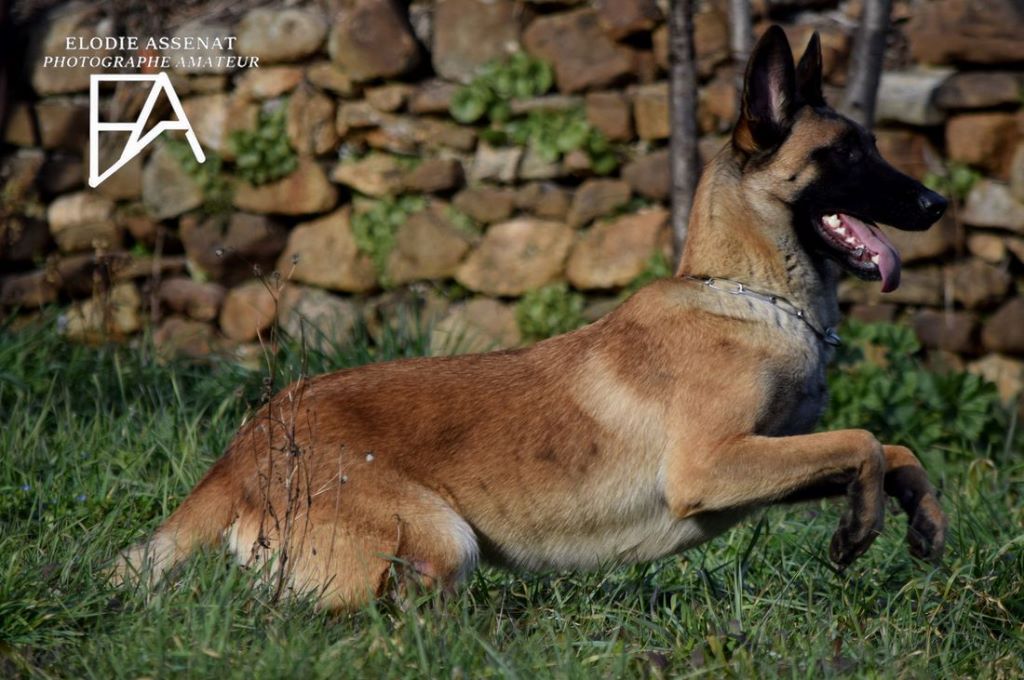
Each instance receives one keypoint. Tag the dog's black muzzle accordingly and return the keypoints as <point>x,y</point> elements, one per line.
<point>882,194</point>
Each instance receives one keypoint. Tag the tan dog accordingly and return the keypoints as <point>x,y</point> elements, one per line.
<point>641,435</point>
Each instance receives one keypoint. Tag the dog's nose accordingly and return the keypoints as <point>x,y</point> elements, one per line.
<point>932,204</point>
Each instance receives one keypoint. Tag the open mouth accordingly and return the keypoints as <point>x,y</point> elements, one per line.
<point>866,250</point>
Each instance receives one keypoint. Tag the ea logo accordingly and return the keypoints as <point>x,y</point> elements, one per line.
<point>136,141</point>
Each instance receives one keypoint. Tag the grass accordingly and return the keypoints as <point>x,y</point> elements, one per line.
<point>100,444</point>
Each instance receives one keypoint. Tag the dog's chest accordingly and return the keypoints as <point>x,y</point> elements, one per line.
<point>787,342</point>
<point>796,390</point>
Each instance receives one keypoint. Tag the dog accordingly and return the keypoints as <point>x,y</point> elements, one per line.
<point>643,434</point>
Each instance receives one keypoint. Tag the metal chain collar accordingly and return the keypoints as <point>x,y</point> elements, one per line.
<point>828,335</point>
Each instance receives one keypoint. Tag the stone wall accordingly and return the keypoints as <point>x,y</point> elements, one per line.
<point>456,221</point>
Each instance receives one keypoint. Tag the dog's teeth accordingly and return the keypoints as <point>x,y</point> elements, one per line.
<point>833,221</point>
<point>858,252</point>
<point>874,259</point>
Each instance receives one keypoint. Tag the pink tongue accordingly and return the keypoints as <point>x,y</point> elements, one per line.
<point>875,241</point>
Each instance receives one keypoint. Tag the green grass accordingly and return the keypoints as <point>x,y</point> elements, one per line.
<point>99,444</point>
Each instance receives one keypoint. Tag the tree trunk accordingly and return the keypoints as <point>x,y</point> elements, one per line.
<point>866,62</point>
<point>684,164</point>
<point>6,61</point>
<point>741,40</point>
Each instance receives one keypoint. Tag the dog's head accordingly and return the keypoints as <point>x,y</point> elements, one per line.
<point>822,168</point>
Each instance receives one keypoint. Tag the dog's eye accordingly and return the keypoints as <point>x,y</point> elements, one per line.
<point>846,154</point>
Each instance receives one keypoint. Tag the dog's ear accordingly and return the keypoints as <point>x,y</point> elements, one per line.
<point>808,74</point>
<point>769,94</point>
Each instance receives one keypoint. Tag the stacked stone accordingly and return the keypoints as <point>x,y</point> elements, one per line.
<point>366,94</point>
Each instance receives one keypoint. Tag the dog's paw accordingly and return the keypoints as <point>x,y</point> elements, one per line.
<point>134,567</point>
<point>862,522</point>
<point>854,536</point>
<point>125,570</point>
<point>926,529</point>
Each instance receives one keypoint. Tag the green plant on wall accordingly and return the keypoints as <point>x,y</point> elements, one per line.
<point>375,227</point>
<point>549,311</point>
<point>551,134</point>
<point>488,95</point>
<point>463,222</point>
<point>264,154</point>
<point>209,175</point>
<point>955,183</point>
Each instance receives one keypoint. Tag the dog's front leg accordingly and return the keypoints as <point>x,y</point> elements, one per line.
<point>753,470</point>
<point>907,482</point>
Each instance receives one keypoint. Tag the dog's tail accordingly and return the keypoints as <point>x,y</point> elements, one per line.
<point>199,521</point>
